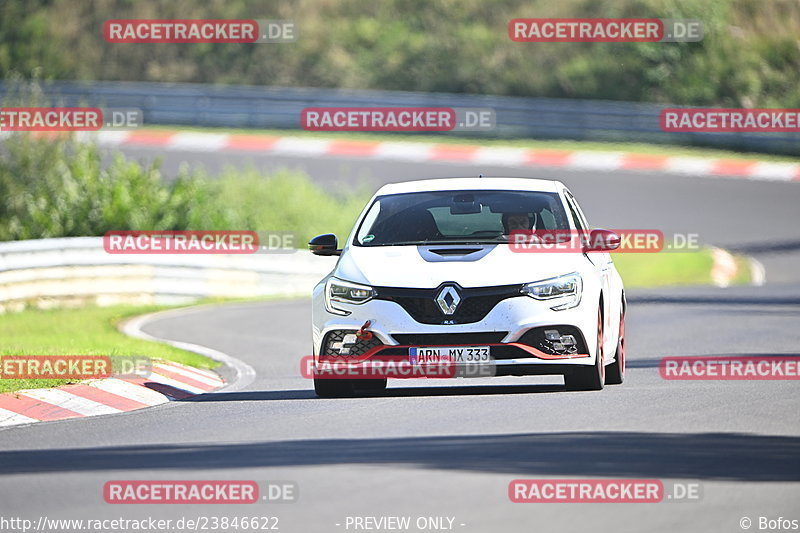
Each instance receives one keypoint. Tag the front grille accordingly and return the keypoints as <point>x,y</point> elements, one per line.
<point>535,337</point>
<point>359,348</point>
<point>500,351</point>
<point>421,303</point>
<point>449,339</point>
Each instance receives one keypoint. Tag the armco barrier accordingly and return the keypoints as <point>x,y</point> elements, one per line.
<point>271,107</point>
<point>50,272</point>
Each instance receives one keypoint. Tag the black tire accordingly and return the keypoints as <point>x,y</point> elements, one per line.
<point>592,377</point>
<point>615,373</point>
<point>370,385</point>
<point>333,388</point>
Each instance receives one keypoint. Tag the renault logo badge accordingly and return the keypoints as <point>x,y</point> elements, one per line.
<point>448,300</point>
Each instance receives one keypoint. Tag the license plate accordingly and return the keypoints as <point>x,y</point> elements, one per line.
<point>449,354</point>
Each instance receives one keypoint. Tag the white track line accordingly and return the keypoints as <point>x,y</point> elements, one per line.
<point>211,382</point>
<point>10,418</point>
<point>192,371</point>
<point>401,151</point>
<point>204,142</point>
<point>512,157</point>
<point>689,165</point>
<point>491,155</point>
<point>112,137</point>
<point>73,402</point>
<point>129,390</point>
<point>301,146</point>
<point>595,160</point>
<point>244,373</point>
<point>765,170</point>
<point>164,380</point>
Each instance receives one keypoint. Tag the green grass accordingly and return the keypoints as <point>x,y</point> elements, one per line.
<point>85,331</point>
<point>644,270</point>
<point>539,144</point>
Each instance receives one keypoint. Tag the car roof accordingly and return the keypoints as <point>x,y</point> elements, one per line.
<point>472,183</point>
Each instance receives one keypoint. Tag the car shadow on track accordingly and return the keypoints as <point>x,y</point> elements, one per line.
<point>765,247</point>
<point>710,456</point>
<point>391,392</point>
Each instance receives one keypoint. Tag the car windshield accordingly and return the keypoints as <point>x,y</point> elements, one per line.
<point>458,217</point>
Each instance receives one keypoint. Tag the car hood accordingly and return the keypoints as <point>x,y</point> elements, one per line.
<point>430,266</point>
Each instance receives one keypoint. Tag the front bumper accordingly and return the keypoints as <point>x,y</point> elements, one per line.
<point>507,328</point>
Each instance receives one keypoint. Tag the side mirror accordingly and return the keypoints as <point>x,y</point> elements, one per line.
<point>602,240</point>
<point>324,245</point>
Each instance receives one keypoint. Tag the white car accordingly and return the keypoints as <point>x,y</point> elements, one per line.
<point>429,274</point>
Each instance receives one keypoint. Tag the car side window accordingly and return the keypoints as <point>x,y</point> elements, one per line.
<point>364,234</point>
<point>574,213</point>
<point>579,211</point>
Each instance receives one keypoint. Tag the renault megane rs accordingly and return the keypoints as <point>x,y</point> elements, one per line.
<point>431,274</point>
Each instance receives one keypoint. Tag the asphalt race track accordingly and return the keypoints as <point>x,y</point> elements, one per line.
<point>451,450</point>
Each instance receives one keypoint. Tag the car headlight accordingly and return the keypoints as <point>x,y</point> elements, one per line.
<point>565,289</point>
<point>337,290</point>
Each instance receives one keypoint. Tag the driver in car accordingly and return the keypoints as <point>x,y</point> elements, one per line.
<point>518,222</point>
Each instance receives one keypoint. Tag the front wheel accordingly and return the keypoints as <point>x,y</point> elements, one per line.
<point>370,385</point>
<point>593,377</point>
<point>333,388</point>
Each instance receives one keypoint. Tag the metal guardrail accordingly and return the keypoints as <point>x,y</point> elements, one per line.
<point>49,272</point>
<point>271,107</point>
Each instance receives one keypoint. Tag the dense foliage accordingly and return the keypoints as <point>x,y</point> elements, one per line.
<point>750,56</point>
<point>62,188</point>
